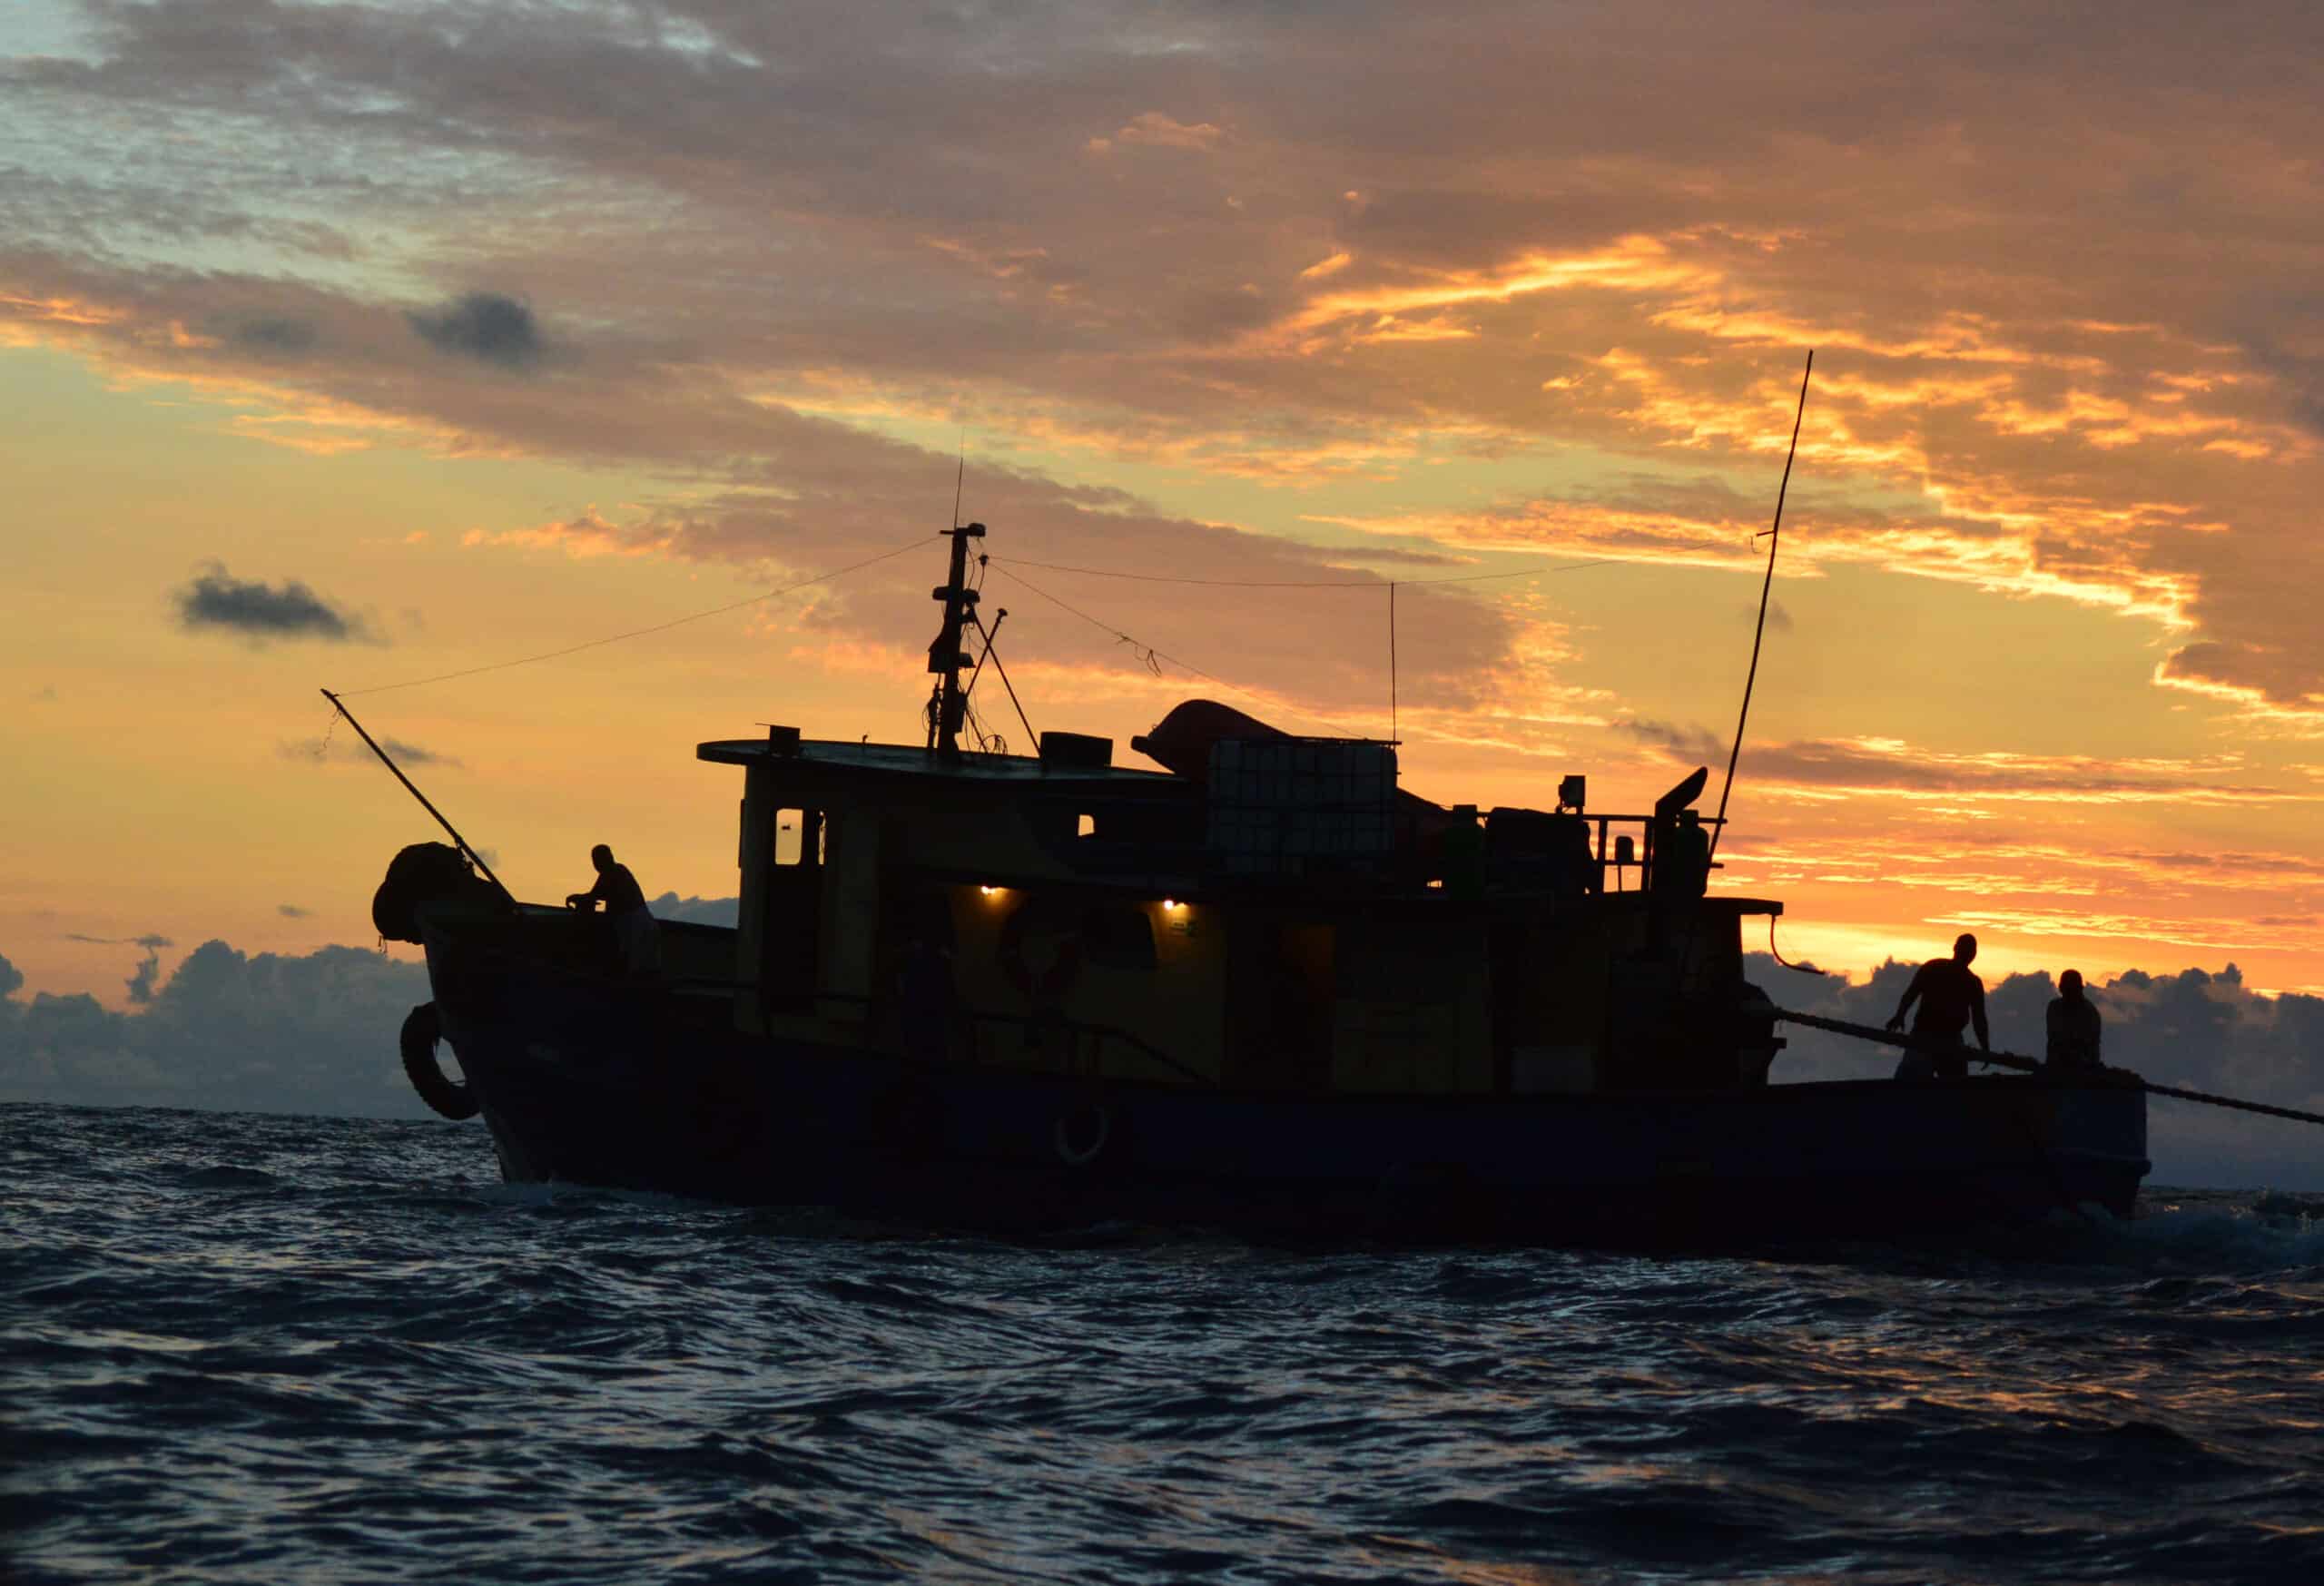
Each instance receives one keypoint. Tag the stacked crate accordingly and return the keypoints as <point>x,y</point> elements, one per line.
<point>1296,806</point>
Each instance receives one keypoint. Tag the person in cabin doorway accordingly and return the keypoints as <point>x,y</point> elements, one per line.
<point>624,902</point>
<point>1951,997</point>
<point>2073,1026</point>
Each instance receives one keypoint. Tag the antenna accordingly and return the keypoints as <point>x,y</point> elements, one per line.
<point>960,476</point>
<point>1392,661</point>
<point>1774,538</point>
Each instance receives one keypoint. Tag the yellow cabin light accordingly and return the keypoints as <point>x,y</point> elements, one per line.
<point>989,891</point>
<point>1172,905</point>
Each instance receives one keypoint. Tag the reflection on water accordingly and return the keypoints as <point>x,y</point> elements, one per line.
<point>315,1350</point>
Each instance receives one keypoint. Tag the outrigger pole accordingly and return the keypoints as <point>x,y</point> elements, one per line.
<point>1774,538</point>
<point>2012,1060</point>
<point>460,841</point>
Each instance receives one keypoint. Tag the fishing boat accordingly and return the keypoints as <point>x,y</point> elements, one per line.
<point>1251,983</point>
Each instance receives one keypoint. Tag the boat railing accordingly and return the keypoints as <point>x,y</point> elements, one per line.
<point>1610,843</point>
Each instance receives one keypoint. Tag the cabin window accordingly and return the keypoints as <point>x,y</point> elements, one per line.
<point>799,836</point>
<point>1085,824</point>
<point>791,924</point>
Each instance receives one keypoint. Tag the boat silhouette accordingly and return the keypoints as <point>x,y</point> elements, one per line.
<point>1257,985</point>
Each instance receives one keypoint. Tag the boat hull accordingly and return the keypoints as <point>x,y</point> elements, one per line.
<point>595,1083</point>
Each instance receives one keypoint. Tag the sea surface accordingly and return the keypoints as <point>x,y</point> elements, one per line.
<point>237,1349</point>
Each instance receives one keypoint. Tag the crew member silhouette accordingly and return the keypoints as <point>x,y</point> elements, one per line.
<point>1682,856</point>
<point>624,902</point>
<point>1950,997</point>
<point>2073,1026</point>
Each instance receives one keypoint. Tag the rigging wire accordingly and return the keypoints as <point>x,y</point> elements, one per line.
<point>1148,655</point>
<point>1152,657</point>
<point>1007,562</point>
<point>993,655</point>
<point>912,544</point>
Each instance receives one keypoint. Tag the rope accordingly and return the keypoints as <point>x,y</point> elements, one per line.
<point>658,627</point>
<point>1776,953</point>
<point>2027,1065</point>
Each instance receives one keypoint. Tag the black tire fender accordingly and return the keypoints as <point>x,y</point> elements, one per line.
<point>1087,1132</point>
<point>422,1032</point>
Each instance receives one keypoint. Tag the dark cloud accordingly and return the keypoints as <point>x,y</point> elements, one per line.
<point>11,978</point>
<point>1889,764</point>
<point>2195,1029</point>
<point>1690,741</point>
<point>141,981</point>
<point>293,911</point>
<point>2287,340</point>
<point>151,942</point>
<point>45,694</point>
<point>1972,219</point>
<point>218,599</point>
<point>276,335</point>
<point>485,326</point>
<point>351,752</point>
<point>411,753</point>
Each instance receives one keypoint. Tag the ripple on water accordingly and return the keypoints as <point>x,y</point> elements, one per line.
<point>327,1350</point>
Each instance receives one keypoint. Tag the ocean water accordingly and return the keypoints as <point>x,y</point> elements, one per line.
<point>239,1348</point>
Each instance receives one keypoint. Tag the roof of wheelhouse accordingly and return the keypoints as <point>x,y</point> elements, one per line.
<point>904,760</point>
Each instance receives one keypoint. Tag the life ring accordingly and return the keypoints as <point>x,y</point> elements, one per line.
<point>1083,1132</point>
<point>420,1033</point>
<point>1062,971</point>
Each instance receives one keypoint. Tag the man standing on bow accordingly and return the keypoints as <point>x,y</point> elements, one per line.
<point>1950,997</point>
<point>624,902</point>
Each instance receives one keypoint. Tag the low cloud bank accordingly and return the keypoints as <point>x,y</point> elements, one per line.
<point>701,910</point>
<point>2194,1030</point>
<point>226,1030</point>
<point>316,1034</point>
<point>237,1032</point>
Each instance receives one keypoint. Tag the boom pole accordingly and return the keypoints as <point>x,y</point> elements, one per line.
<point>458,840</point>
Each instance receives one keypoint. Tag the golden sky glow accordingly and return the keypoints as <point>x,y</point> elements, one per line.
<point>500,330</point>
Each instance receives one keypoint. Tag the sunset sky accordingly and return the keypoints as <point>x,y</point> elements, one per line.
<point>348,345</point>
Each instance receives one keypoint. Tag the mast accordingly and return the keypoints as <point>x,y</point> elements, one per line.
<point>948,705</point>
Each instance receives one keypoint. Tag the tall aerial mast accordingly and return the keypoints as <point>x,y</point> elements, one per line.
<point>949,705</point>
